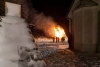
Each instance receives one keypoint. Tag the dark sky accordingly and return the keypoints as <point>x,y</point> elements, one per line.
<point>58,9</point>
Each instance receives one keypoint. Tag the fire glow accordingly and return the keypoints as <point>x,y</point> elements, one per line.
<point>59,32</point>
<point>58,36</point>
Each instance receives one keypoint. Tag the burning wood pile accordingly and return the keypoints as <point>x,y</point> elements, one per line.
<point>60,35</point>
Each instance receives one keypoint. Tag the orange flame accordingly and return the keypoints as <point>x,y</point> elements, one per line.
<point>59,32</point>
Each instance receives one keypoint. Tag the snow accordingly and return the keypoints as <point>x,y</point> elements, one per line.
<point>12,9</point>
<point>63,46</point>
<point>37,64</point>
<point>7,63</point>
<point>43,39</point>
<point>48,40</point>
<point>48,48</point>
<point>13,33</point>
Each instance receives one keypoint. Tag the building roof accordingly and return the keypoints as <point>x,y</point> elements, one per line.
<point>79,4</point>
<point>86,3</point>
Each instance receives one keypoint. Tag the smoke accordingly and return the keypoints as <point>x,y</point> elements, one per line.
<point>45,23</point>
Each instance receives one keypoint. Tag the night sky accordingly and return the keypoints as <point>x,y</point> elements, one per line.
<point>58,9</point>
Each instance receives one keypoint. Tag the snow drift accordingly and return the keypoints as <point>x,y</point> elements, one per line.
<point>13,33</point>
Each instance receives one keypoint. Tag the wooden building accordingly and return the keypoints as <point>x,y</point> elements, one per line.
<point>84,25</point>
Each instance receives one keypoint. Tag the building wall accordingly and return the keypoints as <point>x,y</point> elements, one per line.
<point>78,30</point>
<point>85,29</point>
<point>98,33</point>
<point>98,46</point>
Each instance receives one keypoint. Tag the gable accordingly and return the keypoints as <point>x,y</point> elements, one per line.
<point>73,6</point>
<point>79,4</point>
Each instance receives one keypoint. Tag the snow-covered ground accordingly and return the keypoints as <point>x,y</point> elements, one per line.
<point>48,40</point>
<point>64,45</point>
<point>44,42</point>
<point>48,47</point>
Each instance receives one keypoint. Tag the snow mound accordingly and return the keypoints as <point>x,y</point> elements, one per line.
<point>13,33</point>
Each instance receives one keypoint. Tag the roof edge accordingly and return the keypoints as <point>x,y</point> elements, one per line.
<point>70,8</point>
